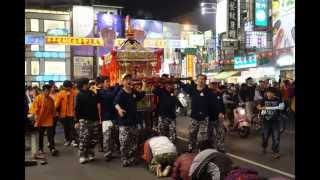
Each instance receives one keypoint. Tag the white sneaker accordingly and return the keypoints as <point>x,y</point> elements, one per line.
<point>67,143</point>
<point>83,160</point>
<point>91,158</point>
<point>74,144</point>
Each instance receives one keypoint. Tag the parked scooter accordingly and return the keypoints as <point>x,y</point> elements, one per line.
<point>241,122</point>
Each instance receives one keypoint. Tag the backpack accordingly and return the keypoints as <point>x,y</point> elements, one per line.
<point>242,174</point>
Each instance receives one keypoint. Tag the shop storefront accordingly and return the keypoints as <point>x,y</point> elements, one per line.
<point>44,62</point>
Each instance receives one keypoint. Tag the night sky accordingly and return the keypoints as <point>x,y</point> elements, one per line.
<point>182,11</point>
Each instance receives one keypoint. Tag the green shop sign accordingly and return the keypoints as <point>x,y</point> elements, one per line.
<point>190,51</point>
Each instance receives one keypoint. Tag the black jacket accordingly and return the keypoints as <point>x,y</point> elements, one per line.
<point>106,98</point>
<point>87,106</point>
<point>200,101</point>
<point>216,105</point>
<point>247,94</point>
<point>128,102</point>
<point>167,103</point>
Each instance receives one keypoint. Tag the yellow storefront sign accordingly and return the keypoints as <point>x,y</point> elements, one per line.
<point>190,65</point>
<point>74,41</point>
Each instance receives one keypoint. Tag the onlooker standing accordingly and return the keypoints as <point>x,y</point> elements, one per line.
<point>64,103</point>
<point>44,111</point>
<point>87,119</point>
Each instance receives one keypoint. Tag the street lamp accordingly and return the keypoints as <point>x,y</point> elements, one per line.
<point>208,8</point>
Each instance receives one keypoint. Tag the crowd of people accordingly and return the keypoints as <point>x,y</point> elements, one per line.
<point>96,113</point>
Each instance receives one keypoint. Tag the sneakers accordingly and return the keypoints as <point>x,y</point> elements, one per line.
<point>67,143</point>
<point>83,160</point>
<point>41,152</point>
<point>91,157</point>
<point>125,163</point>
<point>54,152</point>
<point>276,155</point>
<point>74,144</point>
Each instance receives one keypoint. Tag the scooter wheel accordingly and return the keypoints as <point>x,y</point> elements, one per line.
<point>244,132</point>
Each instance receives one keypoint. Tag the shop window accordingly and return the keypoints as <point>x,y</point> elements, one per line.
<point>34,25</point>
<point>34,47</point>
<point>51,24</point>
<point>55,68</point>
<point>35,68</point>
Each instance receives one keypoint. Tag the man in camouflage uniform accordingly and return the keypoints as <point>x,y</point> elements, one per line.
<point>125,104</point>
<point>87,119</point>
<point>168,103</point>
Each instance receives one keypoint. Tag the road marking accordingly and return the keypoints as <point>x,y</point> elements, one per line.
<point>255,163</point>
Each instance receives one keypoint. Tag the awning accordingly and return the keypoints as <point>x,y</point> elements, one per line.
<point>226,74</point>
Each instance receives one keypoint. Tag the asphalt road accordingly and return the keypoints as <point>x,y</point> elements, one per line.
<point>67,167</point>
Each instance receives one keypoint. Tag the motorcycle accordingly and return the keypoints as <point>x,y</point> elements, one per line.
<point>241,122</point>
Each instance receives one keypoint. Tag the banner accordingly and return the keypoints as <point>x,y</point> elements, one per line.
<point>283,17</point>
<point>221,17</point>
<point>245,61</point>
<point>83,67</point>
<point>74,41</point>
<point>171,30</point>
<point>33,39</point>
<point>152,29</point>
<point>232,19</point>
<point>83,21</point>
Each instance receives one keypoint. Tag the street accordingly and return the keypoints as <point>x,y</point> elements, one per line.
<point>67,167</point>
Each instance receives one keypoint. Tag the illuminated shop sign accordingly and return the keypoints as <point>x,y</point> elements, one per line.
<point>49,54</point>
<point>177,44</point>
<point>261,14</point>
<point>34,39</point>
<point>50,77</point>
<point>245,61</point>
<point>57,32</point>
<point>148,43</point>
<point>74,41</point>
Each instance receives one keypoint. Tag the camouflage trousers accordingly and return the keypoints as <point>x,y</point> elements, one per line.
<point>163,159</point>
<point>88,137</point>
<point>167,127</point>
<point>198,131</point>
<point>109,141</point>
<point>217,132</point>
<point>128,142</point>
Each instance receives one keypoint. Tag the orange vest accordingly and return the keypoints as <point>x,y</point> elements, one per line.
<point>44,110</point>
<point>64,102</point>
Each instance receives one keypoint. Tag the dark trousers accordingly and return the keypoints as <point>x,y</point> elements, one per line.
<point>68,125</point>
<point>271,127</point>
<point>100,137</point>
<point>55,121</point>
<point>49,135</point>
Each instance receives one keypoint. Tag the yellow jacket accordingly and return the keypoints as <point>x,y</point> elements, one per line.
<point>44,111</point>
<point>64,102</point>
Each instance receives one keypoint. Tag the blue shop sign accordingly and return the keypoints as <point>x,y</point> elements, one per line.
<point>57,32</point>
<point>34,39</point>
<point>49,54</point>
<point>51,77</point>
<point>245,61</point>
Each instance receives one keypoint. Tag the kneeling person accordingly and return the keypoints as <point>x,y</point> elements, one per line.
<point>160,154</point>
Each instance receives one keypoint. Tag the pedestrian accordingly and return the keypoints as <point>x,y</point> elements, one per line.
<point>271,122</point>
<point>247,94</point>
<point>64,104</point>
<point>98,88</point>
<point>126,105</point>
<point>87,120</point>
<point>168,102</point>
<point>217,131</point>
<point>200,107</point>
<point>209,164</point>
<point>107,114</point>
<point>53,94</point>
<point>159,154</point>
<point>44,111</point>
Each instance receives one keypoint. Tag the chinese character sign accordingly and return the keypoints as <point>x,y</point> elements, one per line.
<point>261,13</point>
<point>232,19</point>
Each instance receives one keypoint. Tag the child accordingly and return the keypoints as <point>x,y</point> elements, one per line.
<point>44,111</point>
<point>271,124</point>
<point>125,103</point>
<point>87,119</point>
